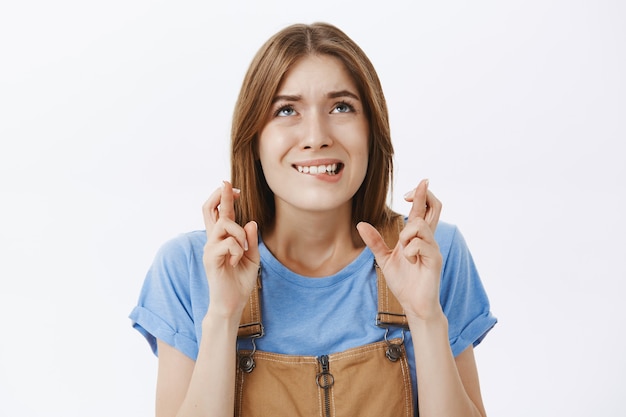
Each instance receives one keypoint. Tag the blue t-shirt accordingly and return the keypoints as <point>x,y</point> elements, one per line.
<point>305,316</point>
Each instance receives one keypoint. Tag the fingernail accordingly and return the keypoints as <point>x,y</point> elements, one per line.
<point>427,181</point>
<point>245,245</point>
<point>410,193</point>
<point>236,190</point>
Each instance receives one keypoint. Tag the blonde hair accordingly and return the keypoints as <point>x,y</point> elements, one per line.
<point>259,87</point>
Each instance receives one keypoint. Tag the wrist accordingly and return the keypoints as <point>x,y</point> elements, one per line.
<point>216,318</point>
<point>428,322</point>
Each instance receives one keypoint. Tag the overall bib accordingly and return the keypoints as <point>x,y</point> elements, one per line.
<point>367,381</point>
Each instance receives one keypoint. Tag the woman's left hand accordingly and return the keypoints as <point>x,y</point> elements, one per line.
<point>412,268</point>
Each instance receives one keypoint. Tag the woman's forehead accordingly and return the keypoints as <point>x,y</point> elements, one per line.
<point>320,74</point>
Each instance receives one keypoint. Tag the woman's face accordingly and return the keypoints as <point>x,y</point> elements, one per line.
<point>314,146</point>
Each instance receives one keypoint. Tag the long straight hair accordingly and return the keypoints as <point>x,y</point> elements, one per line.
<point>259,87</point>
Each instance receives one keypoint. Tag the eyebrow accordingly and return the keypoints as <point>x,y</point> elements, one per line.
<point>332,94</point>
<point>343,93</point>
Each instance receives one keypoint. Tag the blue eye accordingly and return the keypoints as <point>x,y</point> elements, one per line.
<point>343,108</point>
<point>285,111</point>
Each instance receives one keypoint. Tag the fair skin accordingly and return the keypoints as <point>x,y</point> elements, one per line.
<point>317,121</point>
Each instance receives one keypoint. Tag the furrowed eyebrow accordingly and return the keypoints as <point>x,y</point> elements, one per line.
<point>332,94</point>
<point>343,93</point>
<point>286,98</point>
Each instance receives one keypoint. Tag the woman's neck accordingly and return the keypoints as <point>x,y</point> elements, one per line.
<point>314,244</point>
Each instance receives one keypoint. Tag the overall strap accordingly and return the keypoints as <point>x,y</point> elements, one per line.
<point>250,324</point>
<point>390,312</point>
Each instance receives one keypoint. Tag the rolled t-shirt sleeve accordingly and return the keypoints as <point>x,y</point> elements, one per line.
<point>463,297</point>
<point>164,310</point>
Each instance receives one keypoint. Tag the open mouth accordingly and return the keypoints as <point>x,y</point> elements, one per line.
<point>330,169</point>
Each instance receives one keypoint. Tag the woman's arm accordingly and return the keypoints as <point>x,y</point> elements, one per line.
<point>206,387</point>
<point>412,269</point>
<point>468,371</point>
<point>175,369</point>
<point>447,386</point>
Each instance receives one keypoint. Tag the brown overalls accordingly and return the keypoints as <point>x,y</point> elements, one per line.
<point>372,380</point>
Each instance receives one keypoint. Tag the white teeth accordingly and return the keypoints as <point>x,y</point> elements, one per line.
<point>329,169</point>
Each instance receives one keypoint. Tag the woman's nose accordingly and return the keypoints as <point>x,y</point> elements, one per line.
<point>316,132</point>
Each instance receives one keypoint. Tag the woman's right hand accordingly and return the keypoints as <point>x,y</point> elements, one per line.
<point>231,254</point>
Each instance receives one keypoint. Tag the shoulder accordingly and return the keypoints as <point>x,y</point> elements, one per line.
<point>446,232</point>
<point>177,272</point>
<point>180,256</point>
<point>183,245</point>
<point>186,240</point>
<point>453,247</point>
<point>448,236</point>
<point>174,289</point>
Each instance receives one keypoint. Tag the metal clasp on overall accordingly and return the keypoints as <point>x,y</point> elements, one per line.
<point>252,330</point>
<point>246,362</point>
<point>394,350</point>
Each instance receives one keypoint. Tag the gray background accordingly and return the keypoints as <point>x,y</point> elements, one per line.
<point>114,125</point>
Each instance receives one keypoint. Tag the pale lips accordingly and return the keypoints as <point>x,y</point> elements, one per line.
<point>328,169</point>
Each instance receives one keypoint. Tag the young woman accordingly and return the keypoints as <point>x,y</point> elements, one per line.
<point>306,294</point>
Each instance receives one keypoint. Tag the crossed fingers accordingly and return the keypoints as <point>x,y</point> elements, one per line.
<point>418,236</point>
<point>226,236</point>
